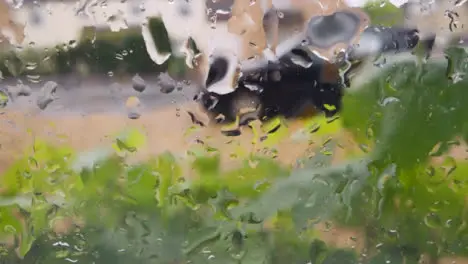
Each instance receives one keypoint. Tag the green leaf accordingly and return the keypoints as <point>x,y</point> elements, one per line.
<point>317,187</point>
<point>130,140</point>
<point>207,166</point>
<point>14,179</point>
<point>25,244</point>
<point>255,251</point>
<point>254,177</point>
<point>141,185</point>
<point>342,257</point>
<point>422,108</point>
<point>39,216</point>
<point>318,251</point>
<point>10,224</point>
<point>168,173</point>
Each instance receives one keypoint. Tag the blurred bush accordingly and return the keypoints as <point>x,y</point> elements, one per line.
<point>384,13</point>
<point>98,50</point>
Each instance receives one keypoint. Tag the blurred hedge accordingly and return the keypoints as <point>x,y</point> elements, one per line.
<point>99,51</point>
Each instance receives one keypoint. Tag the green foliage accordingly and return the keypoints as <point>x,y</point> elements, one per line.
<point>415,114</point>
<point>26,62</point>
<point>165,217</point>
<point>384,13</point>
<point>120,52</point>
<point>100,50</point>
<point>414,101</point>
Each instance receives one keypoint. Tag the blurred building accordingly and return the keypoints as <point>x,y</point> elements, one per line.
<point>51,22</point>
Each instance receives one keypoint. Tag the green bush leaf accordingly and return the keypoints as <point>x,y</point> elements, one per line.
<point>311,189</point>
<point>130,140</point>
<point>409,102</point>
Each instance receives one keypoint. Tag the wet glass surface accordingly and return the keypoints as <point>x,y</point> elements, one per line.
<point>245,131</point>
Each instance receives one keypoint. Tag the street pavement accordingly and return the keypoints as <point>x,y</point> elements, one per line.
<point>96,94</point>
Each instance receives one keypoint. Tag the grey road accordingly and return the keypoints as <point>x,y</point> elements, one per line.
<point>75,95</point>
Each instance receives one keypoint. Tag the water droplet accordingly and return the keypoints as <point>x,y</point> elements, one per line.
<point>300,61</point>
<point>280,14</point>
<point>31,66</point>
<point>380,62</point>
<point>166,83</point>
<point>46,58</point>
<point>393,234</point>
<point>17,4</point>
<point>9,229</point>
<point>47,95</point>
<point>188,49</point>
<point>205,250</point>
<point>142,7</point>
<point>253,87</point>
<point>449,165</point>
<point>389,100</point>
<point>436,206</point>
<point>449,223</point>
<point>167,88</point>
<point>432,220</point>
<point>19,90</point>
<point>364,147</point>
<point>119,56</point>
<point>133,106</point>
<point>430,171</point>
<point>138,83</point>
<point>117,22</point>
<point>370,133</point>
<point>33,78</point>
<point>213,20</point>
<point>155,55</point>
<point>72,44</point>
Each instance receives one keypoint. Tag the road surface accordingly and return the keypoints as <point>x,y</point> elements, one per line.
<point>103,94</point>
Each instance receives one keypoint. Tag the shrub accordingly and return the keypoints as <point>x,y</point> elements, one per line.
<point>101,50</point>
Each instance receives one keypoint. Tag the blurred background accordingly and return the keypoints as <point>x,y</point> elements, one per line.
<point>95,54</point>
